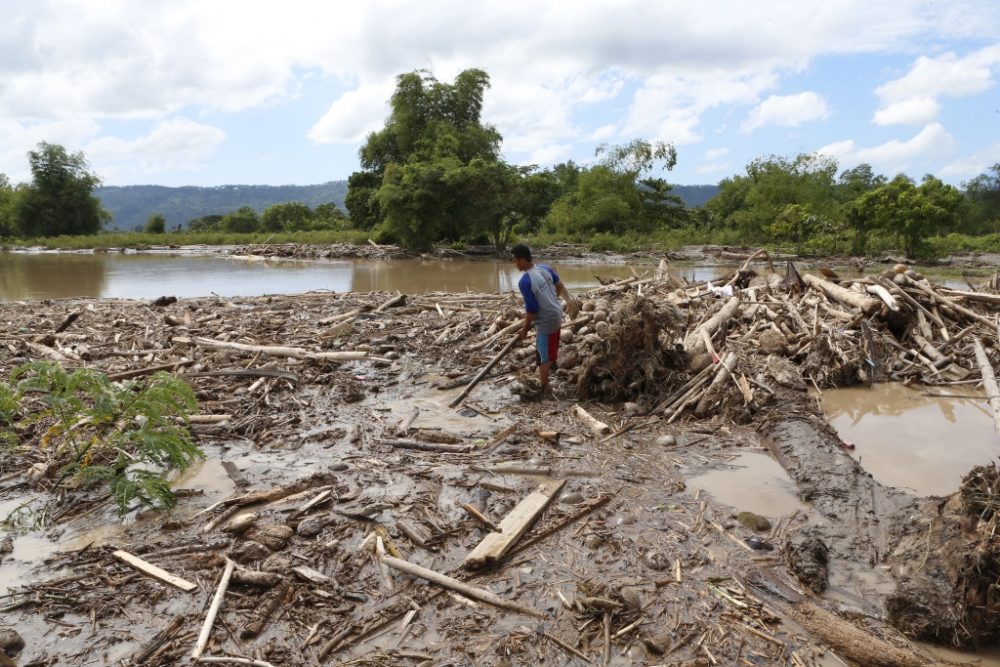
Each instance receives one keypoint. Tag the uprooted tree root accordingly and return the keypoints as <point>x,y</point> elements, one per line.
<point>952,593</point>
<point>627,359</point>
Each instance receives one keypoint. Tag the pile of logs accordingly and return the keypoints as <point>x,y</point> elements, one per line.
<point>891,327</point>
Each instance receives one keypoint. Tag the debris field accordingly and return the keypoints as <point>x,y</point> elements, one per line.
<point>360,518</point>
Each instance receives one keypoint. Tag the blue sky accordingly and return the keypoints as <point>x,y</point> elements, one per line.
<point>215,92</point>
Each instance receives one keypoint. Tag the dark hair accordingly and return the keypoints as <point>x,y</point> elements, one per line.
<point>521,251</point>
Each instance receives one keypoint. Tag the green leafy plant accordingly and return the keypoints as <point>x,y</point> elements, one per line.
<point>130,435</point>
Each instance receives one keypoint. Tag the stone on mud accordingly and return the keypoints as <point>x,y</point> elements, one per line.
<point>272,536</point>
<point>754,521</point>
<point>249,552</point>
<point>311,526</point>
<point>11,643</point>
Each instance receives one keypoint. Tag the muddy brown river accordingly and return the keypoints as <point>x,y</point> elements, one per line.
<point>147,276</point>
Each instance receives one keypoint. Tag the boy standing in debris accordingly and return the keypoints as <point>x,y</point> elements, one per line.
<point>539,287</point>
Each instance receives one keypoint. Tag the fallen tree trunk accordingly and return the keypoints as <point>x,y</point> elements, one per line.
<point>947,572</point>
<point>273,350</point>
<point>695,341</point>
<point>989,381</point>
<point>866,304</point>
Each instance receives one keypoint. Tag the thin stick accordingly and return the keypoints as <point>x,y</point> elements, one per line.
<point>566,647</point>
<point>445,581</point>
<point>480,517</point>
<point>220,593</point>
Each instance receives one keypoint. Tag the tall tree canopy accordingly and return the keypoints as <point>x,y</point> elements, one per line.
<point>424,175</point>
<point>910,212</point>
<point>777,196</point>
<point>59,199</point>
<point>983,193</point>
<point>618,194</point>
<point>8,223</point>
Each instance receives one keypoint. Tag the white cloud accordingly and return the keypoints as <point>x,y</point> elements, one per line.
<point>841,150</point>
<point>912,98</point>
<point>972,165</point>
<point>353,115</point>
<point>659,67</point>
<point>787,111</point>
<point>913,111</point>
<point>176,144</point>
<point>16,139</point>
<point>946,74</point>
<point>932,143</point>
<point>714,153</point>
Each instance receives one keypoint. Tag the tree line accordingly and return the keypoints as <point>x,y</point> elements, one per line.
<point>435,173</point>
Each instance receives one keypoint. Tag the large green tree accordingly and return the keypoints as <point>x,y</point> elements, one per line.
<point>241,221</point>
<point>618,194</point>
<point>155,224</point>
<point>777,194</point>
<point>910,212</point>
<point>60,198</point>
<point>423,171</point>
<point>983,194</point>
<point>8,223</point>
<point>288,216</point>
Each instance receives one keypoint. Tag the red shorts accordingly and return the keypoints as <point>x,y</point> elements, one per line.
<point>547,347</point>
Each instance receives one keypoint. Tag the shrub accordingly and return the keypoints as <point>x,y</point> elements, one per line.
<point>93,430</point>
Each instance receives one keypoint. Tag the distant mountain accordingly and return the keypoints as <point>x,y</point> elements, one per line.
<point>695,195</point>
<point>131,205</point>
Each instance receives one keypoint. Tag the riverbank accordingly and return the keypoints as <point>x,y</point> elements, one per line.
<point>975,263</point>
<point>934,247</point>
<point>336,408</point>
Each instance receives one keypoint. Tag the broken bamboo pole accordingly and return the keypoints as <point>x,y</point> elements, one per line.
<point>273,350</point>
<point>486,369</point>
<point>213,611</point>
<point>723,374</point>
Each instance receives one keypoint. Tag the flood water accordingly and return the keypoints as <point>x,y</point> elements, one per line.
<point>147,276</point>
<point>907,439</point>
<point>753,482</point>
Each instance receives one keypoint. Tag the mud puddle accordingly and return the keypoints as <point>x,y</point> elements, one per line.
<point>752,482</point>
<point>988,657</point>
<point>908,439</point>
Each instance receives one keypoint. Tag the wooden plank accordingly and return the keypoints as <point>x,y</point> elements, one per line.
<point>153,571</point>
<point>496,545</point>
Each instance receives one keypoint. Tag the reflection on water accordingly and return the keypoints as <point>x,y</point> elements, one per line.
<point>137,276</point>
<point>50,276</point>
<point>910,440</point>
<point>758,484</point>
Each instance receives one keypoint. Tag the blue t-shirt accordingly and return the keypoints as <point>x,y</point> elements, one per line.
<point>538,287</point>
